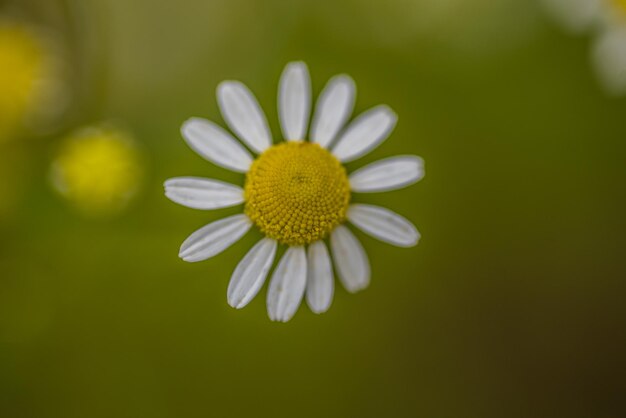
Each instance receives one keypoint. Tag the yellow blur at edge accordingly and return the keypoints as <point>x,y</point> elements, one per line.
<point>22,68</point>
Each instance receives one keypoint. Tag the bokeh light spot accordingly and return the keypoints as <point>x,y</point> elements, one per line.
<point>98,170</point>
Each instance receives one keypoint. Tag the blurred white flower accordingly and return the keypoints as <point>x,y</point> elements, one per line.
<point>609,58</point>
<point>606,21</point>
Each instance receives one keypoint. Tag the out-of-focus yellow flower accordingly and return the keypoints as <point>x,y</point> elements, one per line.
<point>98,170</point>
<point>30,77</point>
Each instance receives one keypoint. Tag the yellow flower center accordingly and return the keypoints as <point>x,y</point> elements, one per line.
<point>297,192</point>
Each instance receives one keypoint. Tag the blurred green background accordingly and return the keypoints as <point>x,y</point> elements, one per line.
<point>512,305</point>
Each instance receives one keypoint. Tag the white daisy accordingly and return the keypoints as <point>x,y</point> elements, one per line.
<point>296,192</point>
<point>607,20</point>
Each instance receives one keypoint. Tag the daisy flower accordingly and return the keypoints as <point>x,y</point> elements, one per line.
<point>606,19</point>
<point>296,192</point>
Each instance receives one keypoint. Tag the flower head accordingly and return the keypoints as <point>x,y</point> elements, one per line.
<point>29,77</point>
<point>296,192</point>
<point>97,170</point>
<point>607,20</point>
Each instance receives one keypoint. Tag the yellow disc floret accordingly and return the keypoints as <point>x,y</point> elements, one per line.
<point>297,192</point>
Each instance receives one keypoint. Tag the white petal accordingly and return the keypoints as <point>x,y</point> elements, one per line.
<point>365,133</point>
<point>250,273</point>
<point>333,109</point>
<point>609,59</point>
<point>214,238</point>
<point>244,116</point>
<point>383,224</point>
<point>294,101</point>
<point>216,145</point>
<point>388,174</point>
<point>319,283</point>
<point>287,286</point>
<point>350,259</point>
<point>199,193</point>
